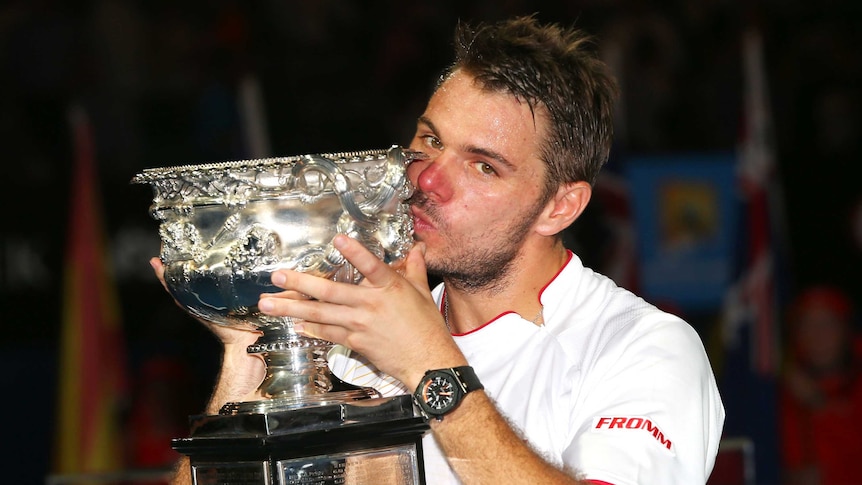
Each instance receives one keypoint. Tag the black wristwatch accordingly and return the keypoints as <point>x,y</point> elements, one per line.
<point>441,391</point>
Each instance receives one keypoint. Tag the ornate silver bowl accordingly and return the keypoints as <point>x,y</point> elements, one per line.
<point>225,227</point>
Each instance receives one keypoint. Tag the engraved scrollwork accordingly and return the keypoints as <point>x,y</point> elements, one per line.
<point>395,233</point>
<point>180,241</point>
<point>230,224</point>
<point>259,247</point>
<point>226,226</point>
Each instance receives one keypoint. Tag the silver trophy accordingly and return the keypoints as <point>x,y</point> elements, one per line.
<point>225,227</point>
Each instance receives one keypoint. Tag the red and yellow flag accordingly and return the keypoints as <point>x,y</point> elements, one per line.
<point>92,373</point>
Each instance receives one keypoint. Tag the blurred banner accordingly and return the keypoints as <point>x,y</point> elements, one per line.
<point>749,370</point>
<point>92,374</point>
<point>685,220</point>
<point>753,301</point>
<point>252,114</point>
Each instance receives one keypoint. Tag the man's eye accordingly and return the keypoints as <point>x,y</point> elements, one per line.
<point>485,168</point>
<point>433,142</point>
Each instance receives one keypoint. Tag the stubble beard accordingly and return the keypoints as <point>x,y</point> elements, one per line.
<point>479,263</point>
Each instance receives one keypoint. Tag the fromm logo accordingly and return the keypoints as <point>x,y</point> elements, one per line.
<point>633,422</point>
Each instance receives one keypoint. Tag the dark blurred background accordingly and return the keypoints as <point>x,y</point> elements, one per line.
<point>163,83</point>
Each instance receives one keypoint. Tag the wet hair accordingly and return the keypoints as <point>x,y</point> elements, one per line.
<point>556,72</point>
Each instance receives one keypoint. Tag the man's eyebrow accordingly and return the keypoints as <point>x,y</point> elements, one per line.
<point>485,152</point>
<point>425,121</point>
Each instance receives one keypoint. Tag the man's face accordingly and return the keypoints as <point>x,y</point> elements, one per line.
<point>479,193</point>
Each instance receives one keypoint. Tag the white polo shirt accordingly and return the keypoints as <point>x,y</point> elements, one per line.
<point>609,385</point>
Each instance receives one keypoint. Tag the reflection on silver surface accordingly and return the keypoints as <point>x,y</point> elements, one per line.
<point>225,227</point>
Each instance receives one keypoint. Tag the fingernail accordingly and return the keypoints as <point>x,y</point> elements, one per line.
<point>266,304</point>
<point>339,241</point>
<point>298,327</point>
<point>278,278</point>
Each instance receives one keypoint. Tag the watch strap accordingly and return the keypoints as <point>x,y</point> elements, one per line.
<point>467,378</point>
<point>464,378</point>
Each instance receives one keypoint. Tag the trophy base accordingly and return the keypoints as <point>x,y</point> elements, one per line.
<point>340,392</point>
<point>363,442</point>
<point>290,402</point>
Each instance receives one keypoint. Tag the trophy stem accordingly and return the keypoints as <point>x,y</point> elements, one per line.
<point>297,375</point>
<point>295,371</point>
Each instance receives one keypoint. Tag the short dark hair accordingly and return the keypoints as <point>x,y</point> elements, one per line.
<point>553,68</point>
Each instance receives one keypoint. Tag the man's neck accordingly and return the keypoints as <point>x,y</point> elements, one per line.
<point>469,309</point>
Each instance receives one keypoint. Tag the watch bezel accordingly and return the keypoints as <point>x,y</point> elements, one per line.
<point>463,380</point>
<point>422,395</point>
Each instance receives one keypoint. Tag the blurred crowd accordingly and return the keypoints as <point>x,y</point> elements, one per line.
<point>821,400</point>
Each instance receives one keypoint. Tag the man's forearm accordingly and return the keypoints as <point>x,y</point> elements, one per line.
<point>238,378</point>
<point>482,448</point>
<point>182,473</point>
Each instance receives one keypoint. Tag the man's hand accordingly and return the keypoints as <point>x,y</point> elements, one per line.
<point>390,317</point>
<point>241,372</point>
<point>226,334</point>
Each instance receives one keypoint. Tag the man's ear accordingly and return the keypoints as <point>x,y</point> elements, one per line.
<point>564,208</point>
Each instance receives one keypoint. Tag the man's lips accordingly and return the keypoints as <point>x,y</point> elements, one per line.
<point>421,223</point>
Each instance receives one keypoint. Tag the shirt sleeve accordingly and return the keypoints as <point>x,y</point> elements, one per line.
<point>650,411</point>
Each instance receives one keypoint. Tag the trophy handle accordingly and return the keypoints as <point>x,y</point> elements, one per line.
<point>378,192</point>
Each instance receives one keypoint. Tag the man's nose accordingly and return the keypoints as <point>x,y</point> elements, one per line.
<point>433,176</point>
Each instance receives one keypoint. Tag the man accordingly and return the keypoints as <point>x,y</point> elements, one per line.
<point>570,378</point>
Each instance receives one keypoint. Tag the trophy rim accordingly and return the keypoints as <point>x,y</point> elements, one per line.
<point>149,175</point>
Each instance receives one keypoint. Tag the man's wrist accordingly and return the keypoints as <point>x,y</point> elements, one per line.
<point>441,390</point>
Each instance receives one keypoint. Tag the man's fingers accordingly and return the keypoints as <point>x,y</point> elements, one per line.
<point>303,286</point>
<point>330,333</point>
<point>288,294</point>
<point>159,269</point>
<point>414,268</point>
<point>375,271</point>
<point>305,309</point>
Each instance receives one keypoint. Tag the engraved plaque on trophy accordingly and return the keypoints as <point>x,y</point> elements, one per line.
<point>225,227</point>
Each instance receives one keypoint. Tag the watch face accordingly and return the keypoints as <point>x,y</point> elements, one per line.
<point>439,393</point>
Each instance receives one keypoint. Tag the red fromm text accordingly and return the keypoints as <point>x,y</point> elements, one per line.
<point>634,422</point>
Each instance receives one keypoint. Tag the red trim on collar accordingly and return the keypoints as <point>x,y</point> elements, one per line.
<point>489,322</point>
<point>570,254</point>
<point>443,299</point>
